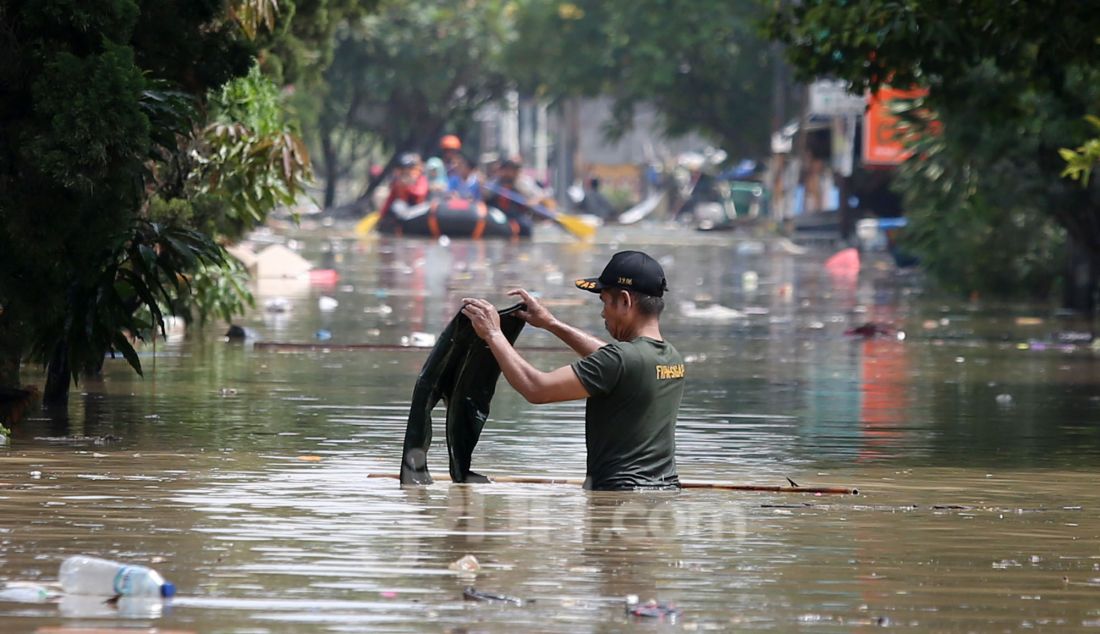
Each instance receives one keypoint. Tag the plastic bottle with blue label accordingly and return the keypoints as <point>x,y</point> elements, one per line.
<point>82,574</point>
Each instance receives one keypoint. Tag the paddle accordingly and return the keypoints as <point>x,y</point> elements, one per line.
<point>401,211</point>
<point>641,210</point>
<point>366,225</point>
<point>572,224</point>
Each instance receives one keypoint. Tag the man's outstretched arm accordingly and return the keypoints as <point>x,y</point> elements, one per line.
<point>535,385</point>
<point>538,316</point>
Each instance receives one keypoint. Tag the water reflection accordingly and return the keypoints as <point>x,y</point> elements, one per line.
<point>241,471</point>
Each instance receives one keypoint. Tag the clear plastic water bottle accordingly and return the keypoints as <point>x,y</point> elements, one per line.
<point>23,592</point>
<point>81,574</point>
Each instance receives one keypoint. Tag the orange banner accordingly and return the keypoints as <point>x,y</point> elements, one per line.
<point>881,146</point>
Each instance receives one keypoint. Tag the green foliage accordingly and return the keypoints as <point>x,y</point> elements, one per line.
<point>247,162</point>
<point>703,65</point>
<point>252,15</point>
<point>1081,161</point>
<point>218,290</point>
<point>300,48</point>
<point>934,42</point>
<point>147,269</point>
<point>402,77</point>
<point>81,139</point>
<point>1011,83</point>
<point>973,185</point>
<point>114,185</point>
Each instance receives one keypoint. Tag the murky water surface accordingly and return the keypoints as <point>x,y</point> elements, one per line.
<point>240,471</point>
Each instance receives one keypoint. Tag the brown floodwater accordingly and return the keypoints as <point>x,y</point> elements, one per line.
<point>240,470</point>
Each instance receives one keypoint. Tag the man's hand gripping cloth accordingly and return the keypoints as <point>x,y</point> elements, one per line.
<point>462,372</point>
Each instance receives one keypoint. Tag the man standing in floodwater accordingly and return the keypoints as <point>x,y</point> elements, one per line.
<point>633,386</point>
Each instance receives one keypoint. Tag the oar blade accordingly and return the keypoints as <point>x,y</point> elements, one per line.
<point>366,225</point>
<point>576,226</point>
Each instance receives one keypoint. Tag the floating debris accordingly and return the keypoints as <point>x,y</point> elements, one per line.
<point>471,593</point>
<point>749,281</point>
<point>240,333</point>
<point>419,340</point>
<point>467,564</point>
<point>652,609</point>
<point>786,246</point>
<point>714,312</point>
<point>870,330</point>
<point>277,305</point>
<point>95,440</point>
<point>28,592</point>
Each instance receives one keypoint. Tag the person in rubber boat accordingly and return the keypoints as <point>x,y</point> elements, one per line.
<point>449,145</point>
<point>409,184</point>
<point>464,181</point>
<point>633,386</point>
<point>503,193</point>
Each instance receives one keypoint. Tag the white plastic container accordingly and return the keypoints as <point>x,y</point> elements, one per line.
<point>82,574</point>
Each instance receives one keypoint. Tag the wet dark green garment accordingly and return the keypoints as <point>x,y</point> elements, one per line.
<point>634,388</point>
<point>462,372</point>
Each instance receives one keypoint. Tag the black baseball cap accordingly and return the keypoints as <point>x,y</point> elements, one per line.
<point>631,270</point>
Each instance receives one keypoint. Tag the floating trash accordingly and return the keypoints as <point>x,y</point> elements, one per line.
<point>419,340</point>
<point>324,277</point>
<point>277,305</point>
<point>28,592</point>
<point>749,281</point>
<point>871,329</point>
<point>652,609</point>
<point>786,246</point>
<point>471,593</point>
<point>326,303</point>
<point>750,247</point>
<point>714,312</point>
<point>467,564</point>
<point>240,333</point>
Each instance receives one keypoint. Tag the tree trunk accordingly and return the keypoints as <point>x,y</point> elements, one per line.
<point>9,364</point>
<point>58,377</point>
<point>330,170</point>
<point>1081,278</point>
<point>847,214</point>
<point>11,350</point>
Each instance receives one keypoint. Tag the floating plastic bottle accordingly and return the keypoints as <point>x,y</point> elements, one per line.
<point>23,592</point>
<point>81,574</point>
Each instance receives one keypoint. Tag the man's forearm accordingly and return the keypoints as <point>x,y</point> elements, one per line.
<point>580,341</point>
<point>520,374</point>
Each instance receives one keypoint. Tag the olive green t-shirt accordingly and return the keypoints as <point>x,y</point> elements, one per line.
<point>634,391</point>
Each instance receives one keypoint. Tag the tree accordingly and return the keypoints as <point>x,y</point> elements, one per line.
<point>1041,53</point>
<point>703,65</point>
<point>113,189</point>
<point>402,77</point>
<point>975,210</point>
<point>1081,161</point>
